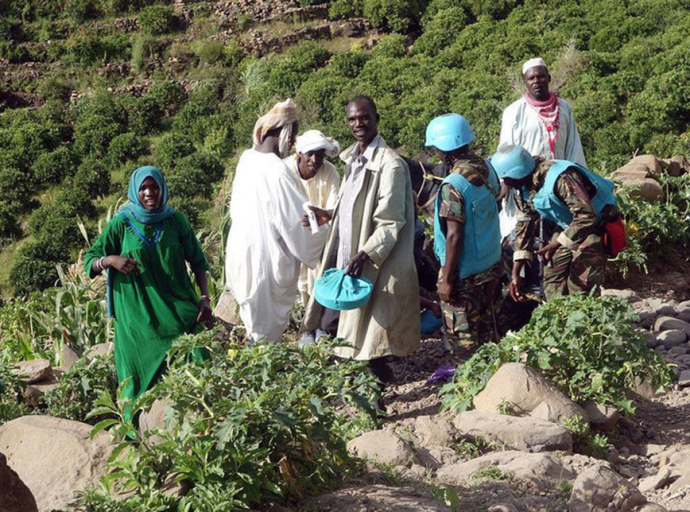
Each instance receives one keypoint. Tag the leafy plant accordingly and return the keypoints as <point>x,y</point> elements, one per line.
<point>157,20</point>
<point>586,345</point>
<point>249,424</point>
<point>11,393</point>
<point>80,387</point>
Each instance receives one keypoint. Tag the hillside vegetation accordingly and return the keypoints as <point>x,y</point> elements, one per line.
<point>94,88</point>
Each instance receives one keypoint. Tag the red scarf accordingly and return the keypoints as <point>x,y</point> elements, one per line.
<point>548,112</point>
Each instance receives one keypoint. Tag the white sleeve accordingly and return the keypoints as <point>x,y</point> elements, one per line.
<point>573,145</point>
<point>300,241</point>
<point>507,127</point>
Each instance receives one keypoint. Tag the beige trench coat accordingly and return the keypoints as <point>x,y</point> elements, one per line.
<point>383,226</point>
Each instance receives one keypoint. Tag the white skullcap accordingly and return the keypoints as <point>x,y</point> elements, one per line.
<point>314,140</point>
<point>532,63</point>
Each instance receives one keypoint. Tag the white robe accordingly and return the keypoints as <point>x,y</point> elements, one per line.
<point>267,244</point>
<point>322,191</point>
<point>521,125</point>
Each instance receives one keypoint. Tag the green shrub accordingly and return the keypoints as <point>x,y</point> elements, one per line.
<point>54,89</point>
<point>157,20</point>
<point>11,392</point>
<point>53,167</point>
<point>17,188</point>
<point>396,15</point>
<point>341,9</point>
<point>168,96</point>
<point>172,148</point>
<point>80,387</point>
<point>194,176</point>
<point>95,50</point>
<point>248,425</point>
<point>9,222</point>
<point>93,177</point>
<point>295,67</point>
<point>587,346</point>
<point>34,268</point>
<point>127,146</point>
<point>441,31</point>
<point>79,11</point>
<point>209,51</point>
<point>393,46</point>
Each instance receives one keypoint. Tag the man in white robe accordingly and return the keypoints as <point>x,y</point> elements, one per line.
<point>543,124</point>
<point>267,243</point>
<point>319,181</point>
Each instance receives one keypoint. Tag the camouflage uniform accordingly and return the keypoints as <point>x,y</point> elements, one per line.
<point>578,264</point>
<point>470,317</point>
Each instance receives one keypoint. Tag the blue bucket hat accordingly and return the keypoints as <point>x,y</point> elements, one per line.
<point>341,292</point>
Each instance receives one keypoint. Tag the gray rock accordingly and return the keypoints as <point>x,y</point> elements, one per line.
<point>650,339</point>
<point>68,356</point>
<point>660,307</point>
<point>436,431</point>
<point>99,350</point>
<point>382,446</point>
<point>667,323</point>
<point>671,338</point>
<point>32,371</point>
<point>599,489</point>
<point>434,457</point>
<point>55,458</point>
<point>684,379</point>
<point>541,470</point>
<point>652,483</point>
<point>676,352</point>
<point>227,308</point>
<point>156,418</point>
<point>603,417</point>
<point>502,507</point>
<point>375,497</point>
<point>15,496</point>
<point>651,507</point>
<point>524,434</point>
<point>683,312</point>
<point>623,294</point>
<point>527,393</point>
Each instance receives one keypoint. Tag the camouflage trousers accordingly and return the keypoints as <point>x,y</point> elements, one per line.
<point>576,271</point>
<point>470,319</point>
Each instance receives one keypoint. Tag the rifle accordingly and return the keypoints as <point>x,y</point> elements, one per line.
<point>540,245</point>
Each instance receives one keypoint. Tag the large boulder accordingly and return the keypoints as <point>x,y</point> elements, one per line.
<point>99,350</point>
<point>524,434</point>
<point>598,489</point>
<point>648,189</point>
<point>54,457</point>
<point>540,470</point>
<point>677,165</point>
<point>15,496</point>
<point>154,419</point>
<point>527,393</point>
<point>68,356</point>
<point>382,446</point>
<point>32,371</point>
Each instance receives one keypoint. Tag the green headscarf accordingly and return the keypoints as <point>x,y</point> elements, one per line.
<point>135,209</point>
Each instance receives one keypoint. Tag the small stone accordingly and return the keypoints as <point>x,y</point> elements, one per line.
<point>99,350</point>
<point>502,507</point>
<point>667,323</point>
<point>671,338</point>
<point>651,507</point>
<point>599,489</point>
<point>436,431</point>
<point>623,294</point>
<point>659,307</point>
<point>652,483</point>
<point>675,352</point>
<point>649,450</point>
<point>627,472</point>
<point>434,457</point>
<point>603,417</point>
<point>684,379</point>
<point>650,339</point>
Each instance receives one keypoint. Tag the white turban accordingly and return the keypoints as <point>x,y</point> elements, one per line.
<point>532,63</point>
<point>314,140</point>
<point>283,115</point>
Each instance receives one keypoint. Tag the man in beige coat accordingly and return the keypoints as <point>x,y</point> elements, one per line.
<point>372,234</point>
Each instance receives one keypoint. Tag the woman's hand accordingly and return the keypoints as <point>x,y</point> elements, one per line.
<point>122,264</point>
<point>205,312</point>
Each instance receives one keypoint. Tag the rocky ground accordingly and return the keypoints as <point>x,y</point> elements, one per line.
<point>532,467</point>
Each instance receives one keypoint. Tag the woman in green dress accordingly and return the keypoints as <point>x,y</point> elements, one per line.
<point>145,249</point>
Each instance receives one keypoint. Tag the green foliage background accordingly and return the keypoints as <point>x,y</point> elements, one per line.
<point>624,67</point>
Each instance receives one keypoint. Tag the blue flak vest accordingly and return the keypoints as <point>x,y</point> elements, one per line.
<point>481,244</point>
<point>549,206</point>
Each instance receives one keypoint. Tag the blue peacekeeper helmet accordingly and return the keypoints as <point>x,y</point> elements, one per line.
<point>341,292</point>
<point>449,132</point>
<point>513,162</point>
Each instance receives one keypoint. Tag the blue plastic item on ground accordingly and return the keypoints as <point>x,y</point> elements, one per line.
<point>341,292</point>
<point>430,323</point>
